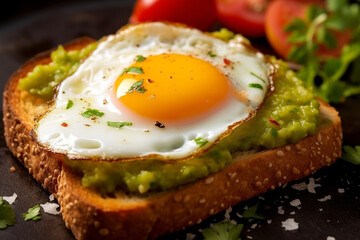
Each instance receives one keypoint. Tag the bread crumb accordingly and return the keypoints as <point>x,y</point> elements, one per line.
<point>51,197</point>
<point>227,213</point>
<point>190,236</point>
<point>328,197</point>
<point>341,190</point>
<point>330,238</point>
<point>312,185</point>
<point>10,199</point>
<point>300,186</point>
<point>295,203</point>
<point>12,169</point>
<point>281,210</point>
<point>50,208</point>
<point>290,224</point>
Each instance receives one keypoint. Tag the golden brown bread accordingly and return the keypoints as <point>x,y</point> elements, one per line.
<point>91,216</point>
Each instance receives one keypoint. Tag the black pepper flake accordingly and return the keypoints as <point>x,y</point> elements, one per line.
<point>150,81</point>
<point>159,124</point>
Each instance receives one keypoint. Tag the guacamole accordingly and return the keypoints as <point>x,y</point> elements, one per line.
<point>288,114</point>
<point>44,78</point>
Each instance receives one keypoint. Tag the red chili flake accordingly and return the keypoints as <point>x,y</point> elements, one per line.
<point>64,124</point>
<point>227,61</point>
<point>273,121</point>
<point>159,124</point>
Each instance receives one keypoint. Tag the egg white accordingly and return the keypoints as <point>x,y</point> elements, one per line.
<point>90,85</point>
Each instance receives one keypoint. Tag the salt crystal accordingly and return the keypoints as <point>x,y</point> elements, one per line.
<point>290,224</point>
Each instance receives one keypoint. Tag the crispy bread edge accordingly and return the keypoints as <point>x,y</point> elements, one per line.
<point>91,216</point>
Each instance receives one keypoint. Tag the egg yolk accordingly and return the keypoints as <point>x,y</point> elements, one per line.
<point>171,87</point>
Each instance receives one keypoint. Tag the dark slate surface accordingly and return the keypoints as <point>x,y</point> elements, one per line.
<point>40,28</point>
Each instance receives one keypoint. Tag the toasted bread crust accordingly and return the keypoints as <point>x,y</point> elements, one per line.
<point>90,216</point>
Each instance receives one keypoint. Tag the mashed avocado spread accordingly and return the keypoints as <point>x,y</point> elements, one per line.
<point>44,78</point>
<point>290,113</point>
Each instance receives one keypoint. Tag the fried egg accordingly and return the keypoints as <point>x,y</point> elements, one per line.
<point>155,90</point>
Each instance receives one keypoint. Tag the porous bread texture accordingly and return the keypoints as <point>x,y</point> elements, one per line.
<point>92,216</point>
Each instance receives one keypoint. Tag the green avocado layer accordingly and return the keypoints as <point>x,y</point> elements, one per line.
<point>290,113</point>
<point>43,79</point>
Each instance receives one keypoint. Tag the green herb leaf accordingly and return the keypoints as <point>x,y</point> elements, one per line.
<point>251,212</point>
<point>257,76</point>
<point>211,54</point>
<point>351,154</point>
<point>296,24</point>
<point>137,86</point>
<point>314,11</point>
<point>137,70</point>
<point>223,231</point>
<point>336,5</point>
<point>297,37</point>
<point>7,214</point>
<point>256,85</point>
<point>318,30</point>
<point>140,58</point>
<point>118,124</point>
<point>201,141</point>
<point>69,104</point>
<point>92,113</point>
<point>273,132</point>
<point>32,214</point>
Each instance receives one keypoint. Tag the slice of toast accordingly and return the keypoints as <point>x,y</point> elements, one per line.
<point>92,216</point>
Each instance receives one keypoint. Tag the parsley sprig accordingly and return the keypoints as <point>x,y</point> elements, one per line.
<point>32,214</point>
<point>326,75</point>
<point>223,231</point>
<point>7,214</point>
<point>201,141</point>
<point>351,154</point>
<point>137,86</point>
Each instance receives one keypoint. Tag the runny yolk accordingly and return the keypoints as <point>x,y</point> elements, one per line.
<point>171,87</point>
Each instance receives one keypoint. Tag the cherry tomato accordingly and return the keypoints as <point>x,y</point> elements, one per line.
<point>282,12</point>
<point>243,16</point>
<point>197,13</point>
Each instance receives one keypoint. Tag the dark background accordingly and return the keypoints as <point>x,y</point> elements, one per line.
<point>29,27</point>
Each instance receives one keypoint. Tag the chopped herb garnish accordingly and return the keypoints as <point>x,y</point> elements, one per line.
<point>118,124</point>
<point>132,70</point>
<point>32,214</point>
<point>140,58</point>
<point>351,154</point>
<point>211,54</point>
<point>92,113</point>
<point>159,124</point>
<point>331,78</point>
<point>201,141</point>
<point>69,104</point>
<point>273,132</point>
<point>251,212</point>
<point>137,86</point>
<point>7,214</point>
<point>223,231</point>
<point>257,76</point>
<point>256,85</point>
